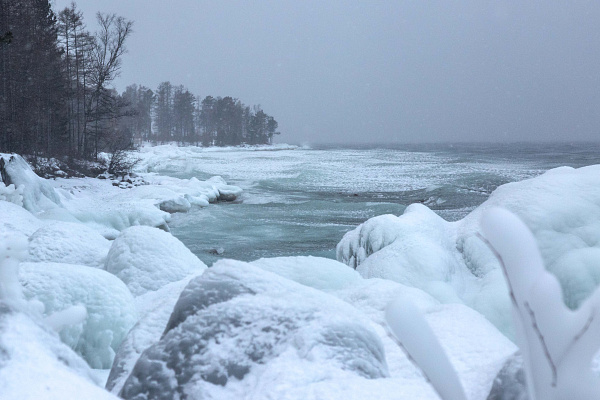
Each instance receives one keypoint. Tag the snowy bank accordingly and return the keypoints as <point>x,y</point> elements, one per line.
<point>100,203</point>
<point>449,261</point>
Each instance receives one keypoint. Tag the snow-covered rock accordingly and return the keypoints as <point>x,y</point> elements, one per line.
<point>240,332</point>
<point>110,306</point>
<point>38,194</point>
<point>449,261</point>
<point>35,364</point>
<point>319,273</point>
<point>155,309</point>
<point>16,219</point>
<point>69,243</point>
<point>147,258</point>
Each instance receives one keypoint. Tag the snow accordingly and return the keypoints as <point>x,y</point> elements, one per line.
<point>412,330</point>
<point>238,328</point>
<point>16,219</point>
<point>38,194</point>
<point>110,209</point>
<point>34,364</point>
<point>147,258</point>
<point>69,243</point>
<point>12,194</point>
<point>449,261</point>
<point>155,309</point>
<point>319,273</point>
<point>109,304</point>
<point>557,343</point>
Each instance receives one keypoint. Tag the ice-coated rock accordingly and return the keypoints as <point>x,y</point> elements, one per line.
<point>16,219</point>
<point>35,364</point>
<point>317,272</point>
<point>449,261</point>
<point>147,258</point>
<point>109,304</point>
<point>155,309</point>
<point>38,194</point>
<point>69,243</point>
<point>510,382</point>
<point>237,328</point>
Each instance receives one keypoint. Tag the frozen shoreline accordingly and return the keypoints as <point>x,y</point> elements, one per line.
<point>323,323</point>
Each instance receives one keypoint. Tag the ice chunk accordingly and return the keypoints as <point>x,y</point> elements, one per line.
<point>34,364</point>
<point>69,243</point>
<point>109,304</point>
<point>147,258</point>
<point>262,329</point>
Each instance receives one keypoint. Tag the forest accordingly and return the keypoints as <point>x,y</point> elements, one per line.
<point>57,96</point>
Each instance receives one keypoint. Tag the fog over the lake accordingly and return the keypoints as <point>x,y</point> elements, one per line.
<point>394,71</point>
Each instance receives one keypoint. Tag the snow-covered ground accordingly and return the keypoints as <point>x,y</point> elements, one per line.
<point>288,327</point>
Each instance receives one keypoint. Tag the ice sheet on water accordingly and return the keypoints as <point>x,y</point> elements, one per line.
<point>258,330</point>
<point>147,258</point>
<point>109,304</point>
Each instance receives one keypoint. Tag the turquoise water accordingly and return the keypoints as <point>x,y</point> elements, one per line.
<point>301,202</point>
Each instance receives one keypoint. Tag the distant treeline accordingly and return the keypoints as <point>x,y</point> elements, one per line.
<point>56,96</point>
<point>172,113</point>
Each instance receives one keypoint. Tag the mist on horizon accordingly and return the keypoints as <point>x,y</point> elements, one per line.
<point>395,71</point>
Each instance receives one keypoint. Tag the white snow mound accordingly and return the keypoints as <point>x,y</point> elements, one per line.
<point>147,259</point>
<point>110,306</point>
<point>449,261</point>
<point>69,243</point>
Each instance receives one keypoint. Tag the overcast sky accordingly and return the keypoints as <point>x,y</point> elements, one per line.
<point>379,71</point>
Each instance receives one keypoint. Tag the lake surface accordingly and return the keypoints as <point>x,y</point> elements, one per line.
<point>302,201</point>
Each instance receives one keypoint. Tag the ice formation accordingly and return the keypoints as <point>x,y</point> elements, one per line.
<point>449,261</point>
<point>319,273</point>
<point>147,258</point>
<point>109,304</point>
<point>38,194</point>
<point>557,343</point>
<point>69,243</point>
<point>237,331</point>
<point>34,363</point>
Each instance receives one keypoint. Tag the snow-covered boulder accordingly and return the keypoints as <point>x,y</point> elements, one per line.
<point>69,243</point>
<point>110,306</point>
<point>147,259</point>
<point>240,332</point>
<point>35,364</point>
<point>317,272</point>
<point>449,261</point>
<point>38,194</point>
<point>16,219</point>
<point>155,309</point>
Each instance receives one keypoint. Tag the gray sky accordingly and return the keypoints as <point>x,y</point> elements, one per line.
<point>379,71</point>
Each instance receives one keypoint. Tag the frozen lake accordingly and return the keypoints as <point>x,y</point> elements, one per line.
<point>302,201</point>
